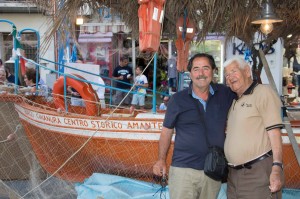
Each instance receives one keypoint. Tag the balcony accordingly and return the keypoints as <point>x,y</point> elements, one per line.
<point>17,6</point>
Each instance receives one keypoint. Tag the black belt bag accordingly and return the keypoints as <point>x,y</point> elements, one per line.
<point>215,165</point>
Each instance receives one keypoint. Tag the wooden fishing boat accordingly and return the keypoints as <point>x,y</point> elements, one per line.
<point>73,146</point>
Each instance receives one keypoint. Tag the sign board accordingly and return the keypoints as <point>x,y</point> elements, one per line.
<point>274,58</point>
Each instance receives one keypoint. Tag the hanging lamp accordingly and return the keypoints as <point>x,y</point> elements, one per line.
<point>267,17</point>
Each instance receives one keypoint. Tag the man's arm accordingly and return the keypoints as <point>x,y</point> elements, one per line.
<point>143,85</point>
<point>118,78</point>
<point>164,144</point>
<point>276,180</point>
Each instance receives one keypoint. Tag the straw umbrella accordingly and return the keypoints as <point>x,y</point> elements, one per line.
<point>231,18</point>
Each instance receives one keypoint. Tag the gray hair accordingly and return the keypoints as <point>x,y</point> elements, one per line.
<point>240,61</point>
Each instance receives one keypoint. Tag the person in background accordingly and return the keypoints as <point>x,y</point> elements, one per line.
<point>10,77</point>
<point>100,91</point>
<point>172,74</point>
<point>3,79</point>
<point>76,99</point>
<point>195,112</point>
<point>30,78</point>
<point>1,64</point>
<point>30,82</point>
<point>253,145</point>
<point>164,104</point>
<point>141,83</point>
<point>122,73</point>
<point>31,64</point>
<point>4,86</point>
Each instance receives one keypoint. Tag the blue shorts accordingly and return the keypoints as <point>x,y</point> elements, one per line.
<point>138,99</point>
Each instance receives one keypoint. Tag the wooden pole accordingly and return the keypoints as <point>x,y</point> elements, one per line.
<point>267,70</point>
<point>286,123</point>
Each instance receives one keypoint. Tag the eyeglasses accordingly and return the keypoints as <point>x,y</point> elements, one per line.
<point>230,73</point>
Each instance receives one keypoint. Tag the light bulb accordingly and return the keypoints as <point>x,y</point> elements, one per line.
<point>266,28</point>
<point>79,21</point>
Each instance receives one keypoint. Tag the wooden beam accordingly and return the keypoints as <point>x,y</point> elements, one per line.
<point>287,124</point>
<point>267,70</point>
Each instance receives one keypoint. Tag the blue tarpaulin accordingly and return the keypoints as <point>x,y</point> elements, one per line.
<point>103,186</point>
<point>110,186</point>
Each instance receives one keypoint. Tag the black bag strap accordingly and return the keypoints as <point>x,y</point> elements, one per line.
<point>197,102</point>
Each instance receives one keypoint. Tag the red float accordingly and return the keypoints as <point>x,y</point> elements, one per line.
<point>150,15</point>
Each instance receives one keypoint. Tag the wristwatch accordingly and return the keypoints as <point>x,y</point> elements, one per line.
<point>278,164</point>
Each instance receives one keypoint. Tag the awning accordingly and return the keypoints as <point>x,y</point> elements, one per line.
<point>116,27</point>
<point>97,37</point>
<point>94,40</point>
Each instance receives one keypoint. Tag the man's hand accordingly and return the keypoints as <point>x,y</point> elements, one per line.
<point>276,181</point>
<point>159,168</point>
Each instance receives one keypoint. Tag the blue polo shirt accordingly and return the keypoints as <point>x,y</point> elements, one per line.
<point>184,114</point>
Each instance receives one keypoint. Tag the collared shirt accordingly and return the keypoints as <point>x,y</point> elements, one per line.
<point>192,124</point>
<point>257,111</point>
<point>203,102</point>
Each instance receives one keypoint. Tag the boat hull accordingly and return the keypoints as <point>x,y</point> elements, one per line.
<point>74,147</point>
<point>74,150</point>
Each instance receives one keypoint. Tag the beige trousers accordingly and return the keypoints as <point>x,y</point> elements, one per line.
<point>186,183</point>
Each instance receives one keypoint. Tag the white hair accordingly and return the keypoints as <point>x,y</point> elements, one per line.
<point>240,61</point>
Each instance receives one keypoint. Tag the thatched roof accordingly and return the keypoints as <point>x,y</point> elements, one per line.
<point>229,17</point>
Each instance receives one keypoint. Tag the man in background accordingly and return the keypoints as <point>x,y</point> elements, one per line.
<point>123,74</point>
<point>164,104</point>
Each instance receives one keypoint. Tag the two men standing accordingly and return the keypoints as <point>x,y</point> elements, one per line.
<point>198,110</point>
<point>253,134</point>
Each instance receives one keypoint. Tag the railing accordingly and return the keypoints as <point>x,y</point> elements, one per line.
<point>112,81</point>
<point>110,87</point>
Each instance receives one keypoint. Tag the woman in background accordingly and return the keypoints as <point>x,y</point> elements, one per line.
<point>2,77</point>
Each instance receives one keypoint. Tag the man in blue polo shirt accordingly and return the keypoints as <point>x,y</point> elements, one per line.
<point>195,112</point>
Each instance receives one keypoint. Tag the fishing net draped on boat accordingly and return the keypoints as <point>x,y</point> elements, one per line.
<point>45,150</point>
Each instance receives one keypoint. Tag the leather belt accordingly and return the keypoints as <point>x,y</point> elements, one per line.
<point>247,165</point>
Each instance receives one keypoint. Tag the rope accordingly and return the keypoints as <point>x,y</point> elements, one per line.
<point>11,136</point>
<point>87,141</point>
